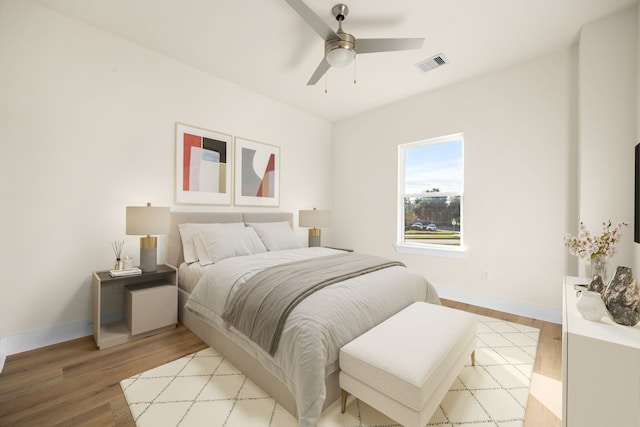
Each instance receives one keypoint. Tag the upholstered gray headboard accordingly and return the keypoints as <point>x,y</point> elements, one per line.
<point>175,255</point>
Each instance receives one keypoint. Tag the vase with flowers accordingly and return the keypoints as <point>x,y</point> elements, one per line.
<point>595,250</point>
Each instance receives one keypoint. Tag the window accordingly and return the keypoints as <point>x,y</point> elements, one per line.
<point>430,188</point>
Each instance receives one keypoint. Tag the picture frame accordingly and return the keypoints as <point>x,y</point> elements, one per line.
<point>204,162</point>
<point>257,173</point>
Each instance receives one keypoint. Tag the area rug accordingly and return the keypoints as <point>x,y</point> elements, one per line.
<point>204,389</point>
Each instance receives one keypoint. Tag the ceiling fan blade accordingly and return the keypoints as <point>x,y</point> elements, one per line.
<point>387,45</point>
<point>314,21</point>
<point>323,67</point>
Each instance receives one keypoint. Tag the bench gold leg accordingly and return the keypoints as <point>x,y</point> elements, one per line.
<point>344,401</point>
<point>473,358</point>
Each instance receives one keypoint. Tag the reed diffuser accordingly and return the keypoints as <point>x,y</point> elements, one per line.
<point>117,246</point>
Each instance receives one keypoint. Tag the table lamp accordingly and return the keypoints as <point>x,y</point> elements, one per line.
<point>314,219</point>
<point>148,220</point>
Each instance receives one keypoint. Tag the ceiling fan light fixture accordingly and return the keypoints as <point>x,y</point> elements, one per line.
<point>340,57</point>
<point>340,47</point>
<point>341,51</point>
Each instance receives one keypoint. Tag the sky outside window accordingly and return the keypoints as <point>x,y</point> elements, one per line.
<point>434,166</point>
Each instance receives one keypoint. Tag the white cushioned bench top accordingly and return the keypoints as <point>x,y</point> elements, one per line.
<point>408,355</point>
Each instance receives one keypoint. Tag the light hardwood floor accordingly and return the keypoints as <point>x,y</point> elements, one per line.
<point>74,384</point>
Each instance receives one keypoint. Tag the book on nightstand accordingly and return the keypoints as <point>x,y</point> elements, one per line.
<point>122,273</point>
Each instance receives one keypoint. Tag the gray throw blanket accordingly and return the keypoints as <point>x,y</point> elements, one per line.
<point>260,308</point>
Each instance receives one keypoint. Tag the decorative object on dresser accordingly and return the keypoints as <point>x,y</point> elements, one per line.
<point>597,285</point>
<point>622,297</point>
<point>590,305</point>
<point>147,220</point>
<point>257,173</point>
<point>597,266</point>
<point>595,250</point>
<point>314,219</point>
<point>203,166</point>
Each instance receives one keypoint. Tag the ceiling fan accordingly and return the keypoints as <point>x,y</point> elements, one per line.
<point>340,48</point>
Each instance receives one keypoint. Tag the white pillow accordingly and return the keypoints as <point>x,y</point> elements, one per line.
<point>188,230</point>
<point>276,236</point>
<point>214,245</point>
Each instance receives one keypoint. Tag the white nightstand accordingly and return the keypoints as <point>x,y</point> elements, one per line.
<point>150,303</point>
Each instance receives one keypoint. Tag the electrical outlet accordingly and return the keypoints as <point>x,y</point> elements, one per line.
<point>486,275</point>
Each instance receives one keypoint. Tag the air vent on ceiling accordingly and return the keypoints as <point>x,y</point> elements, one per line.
<point>433,62</point>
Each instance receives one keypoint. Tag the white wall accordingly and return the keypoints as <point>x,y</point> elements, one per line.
<point>519,130</point>
<point>608,78</point>
<point>87,127</point>
<point>547,143</point>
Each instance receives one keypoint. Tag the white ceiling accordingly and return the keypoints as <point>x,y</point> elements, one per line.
<point>263,45</point>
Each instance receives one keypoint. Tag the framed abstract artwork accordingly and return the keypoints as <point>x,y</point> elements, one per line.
<point>204,159</point>
<point>257,173</point>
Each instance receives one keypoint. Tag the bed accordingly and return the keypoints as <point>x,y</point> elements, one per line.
<point>302,372</point>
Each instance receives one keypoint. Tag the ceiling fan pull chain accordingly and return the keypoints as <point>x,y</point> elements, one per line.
<point>355,61</point>
<point>325,82</point>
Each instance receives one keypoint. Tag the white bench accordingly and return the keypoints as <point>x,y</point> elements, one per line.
<point>404,366</point>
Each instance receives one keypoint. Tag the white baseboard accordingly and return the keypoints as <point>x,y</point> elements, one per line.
<point>49,335</point>
<point>520,308</point>
<point>43,337</point>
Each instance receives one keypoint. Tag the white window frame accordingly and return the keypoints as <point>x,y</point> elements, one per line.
<point>427,248</point>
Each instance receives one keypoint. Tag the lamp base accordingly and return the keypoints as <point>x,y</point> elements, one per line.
<point>148,260</point>
<point>148,254</point>
<point>314,237</point>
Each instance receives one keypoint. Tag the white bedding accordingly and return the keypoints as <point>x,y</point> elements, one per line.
<point>318,326</point>
<point>189,275</point>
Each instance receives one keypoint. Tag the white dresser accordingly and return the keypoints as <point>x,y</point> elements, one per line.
<point>600,368</point>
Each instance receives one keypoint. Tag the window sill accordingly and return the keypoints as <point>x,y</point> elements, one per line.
<point>431,250</point>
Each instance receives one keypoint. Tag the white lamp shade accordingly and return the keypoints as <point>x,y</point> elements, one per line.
<point>314,218</point>
<point>147,220</point>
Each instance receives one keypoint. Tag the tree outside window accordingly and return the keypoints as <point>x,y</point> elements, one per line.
<point>430,189</point>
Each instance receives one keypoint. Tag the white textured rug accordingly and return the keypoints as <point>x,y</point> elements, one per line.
<point>204,389</point>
